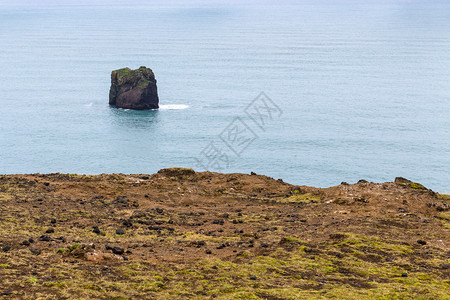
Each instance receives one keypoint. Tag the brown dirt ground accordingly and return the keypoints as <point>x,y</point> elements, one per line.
<point>210,235</point>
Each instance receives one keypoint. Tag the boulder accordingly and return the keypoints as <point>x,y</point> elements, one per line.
<point>133,89</point>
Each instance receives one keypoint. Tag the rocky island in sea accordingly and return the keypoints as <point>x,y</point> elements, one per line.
<point>134,89</point>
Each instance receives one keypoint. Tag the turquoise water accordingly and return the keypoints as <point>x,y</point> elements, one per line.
<point>363,88</point>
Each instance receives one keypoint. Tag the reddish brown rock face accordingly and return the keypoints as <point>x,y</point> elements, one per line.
<point>133,89</point>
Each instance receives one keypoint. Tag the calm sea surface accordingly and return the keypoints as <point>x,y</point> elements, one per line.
<point>363,87</point>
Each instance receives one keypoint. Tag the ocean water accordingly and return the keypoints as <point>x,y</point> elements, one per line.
<point>357,89</point>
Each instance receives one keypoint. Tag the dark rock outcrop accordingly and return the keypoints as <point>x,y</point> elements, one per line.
<point>133,89</point>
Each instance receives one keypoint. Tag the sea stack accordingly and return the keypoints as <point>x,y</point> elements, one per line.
<point>133,89</point>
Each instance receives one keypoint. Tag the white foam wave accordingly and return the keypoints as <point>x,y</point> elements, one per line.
<point>173,106</point>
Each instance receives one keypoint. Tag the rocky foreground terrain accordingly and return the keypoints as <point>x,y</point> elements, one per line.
<point>180,234</point>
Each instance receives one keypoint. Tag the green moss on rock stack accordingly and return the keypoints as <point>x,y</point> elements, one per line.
<point>133,89</point>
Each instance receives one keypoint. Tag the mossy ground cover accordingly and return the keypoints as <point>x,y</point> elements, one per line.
<point>187,235</point>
